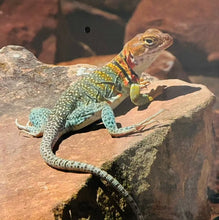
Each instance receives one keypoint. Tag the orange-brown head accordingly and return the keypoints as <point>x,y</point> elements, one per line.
<point>144,48</point>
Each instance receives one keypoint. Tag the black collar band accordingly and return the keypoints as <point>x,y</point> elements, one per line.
<point>123,71</point>
<point>131,70</point>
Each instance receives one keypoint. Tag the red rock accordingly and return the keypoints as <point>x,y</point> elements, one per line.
<point>93,60</point>
<point>167,66</point>
<point>193,24</point>
<point>105,35</point>
<point>48,50</point>
<point>214,56</point>
<point>29,23</point>
<point>120,7</point>
<point>58,35</point>
<point>209,81</point>
<point>215,174</point>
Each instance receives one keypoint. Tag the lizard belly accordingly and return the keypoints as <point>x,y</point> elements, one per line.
<point>118,101</point>
<point>90,114</point>
<point>95,117</point>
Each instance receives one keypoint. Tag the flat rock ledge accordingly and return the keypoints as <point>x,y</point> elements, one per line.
<point>165,168</point>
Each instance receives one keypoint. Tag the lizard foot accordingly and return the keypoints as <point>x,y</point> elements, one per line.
<point>37,121</point>
<point>29,129</point>
<point>120,132</point>
<point>144,83</point>
<point>157,91</point>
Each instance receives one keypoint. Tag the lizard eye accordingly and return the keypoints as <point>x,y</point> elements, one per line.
<point>149,41</point>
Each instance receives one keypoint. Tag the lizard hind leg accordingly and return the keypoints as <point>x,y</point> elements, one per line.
<point>108,119</point>
<point>37,121</point>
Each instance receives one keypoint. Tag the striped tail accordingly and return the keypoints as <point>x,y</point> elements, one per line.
<point>50,137</point>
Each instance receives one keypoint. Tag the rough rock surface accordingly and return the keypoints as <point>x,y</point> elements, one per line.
<point>60,30</point>
<point>167,66</point>
<point>120,7</point>
<point>30,23</point>
<point>214,180</point>
<point>212,84</point>
<point>98,60</point>
<point>92,29</point>
<point>193,24</point>
<point>165,167</point>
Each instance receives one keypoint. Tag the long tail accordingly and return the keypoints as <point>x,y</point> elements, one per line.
<point>50,137</point>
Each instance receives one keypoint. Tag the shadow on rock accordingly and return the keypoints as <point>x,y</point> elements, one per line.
<point>176,91</point>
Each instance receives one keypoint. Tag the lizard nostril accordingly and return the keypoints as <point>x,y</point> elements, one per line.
<point>168,37</point>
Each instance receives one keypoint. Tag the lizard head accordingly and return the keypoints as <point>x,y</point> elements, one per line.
<point>144,48</point>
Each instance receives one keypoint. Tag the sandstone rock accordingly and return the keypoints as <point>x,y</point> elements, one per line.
<point>212,84</point>
<point>214,183</point>
<point>31,24</point>
<point>213,192</point>
<point>99,32</point>
<point>120,7</point>
<point>213,57</point>
<point>55,30</point>
<point>167,66</point>
<point>165,167</point>
<point>193,24</point>
<point>93,60</point>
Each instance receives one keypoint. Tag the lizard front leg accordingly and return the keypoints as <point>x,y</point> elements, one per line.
<point>142,99</point>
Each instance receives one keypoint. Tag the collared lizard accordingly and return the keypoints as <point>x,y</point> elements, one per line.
<point>93,97</point>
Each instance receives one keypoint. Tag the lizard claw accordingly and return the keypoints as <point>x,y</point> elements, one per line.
<point>21,127</point>
<point>140,126</point>
<point>144,83</point>
<point>27,129</point>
